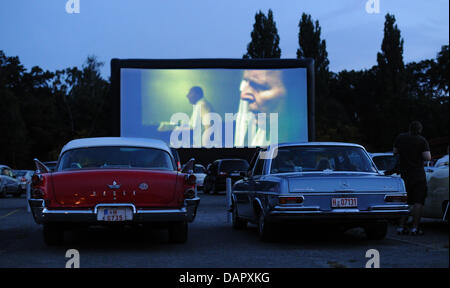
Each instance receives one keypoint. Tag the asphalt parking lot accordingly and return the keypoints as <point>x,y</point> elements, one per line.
<point>213,243</point>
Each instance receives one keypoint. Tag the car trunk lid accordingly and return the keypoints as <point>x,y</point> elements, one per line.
<point>142,188</point>
<point>340,182</point>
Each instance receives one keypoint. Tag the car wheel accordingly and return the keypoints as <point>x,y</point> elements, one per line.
<point>178,232</point>
<point>53,235</point>
<point>238,223</point>
<point>265,229</point>
<point>376,231</point>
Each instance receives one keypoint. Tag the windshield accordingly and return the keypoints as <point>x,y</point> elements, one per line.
<point>384,162</point>
<point>115,157</point>
<point>234,165</point>
<point>321,158</point>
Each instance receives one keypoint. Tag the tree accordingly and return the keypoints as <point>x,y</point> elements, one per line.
<point>312,46</point>
<point>265,40</point>
<point>440,72</point>
<point>392,103</point>
<point>13,147</point>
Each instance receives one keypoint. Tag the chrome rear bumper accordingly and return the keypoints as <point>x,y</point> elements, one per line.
<point>379,212</point>
<point>43,214</point>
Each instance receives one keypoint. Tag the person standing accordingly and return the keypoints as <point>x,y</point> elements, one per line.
<point>413,150</point>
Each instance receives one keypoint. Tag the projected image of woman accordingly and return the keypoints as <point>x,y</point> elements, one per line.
<point>262,91</point>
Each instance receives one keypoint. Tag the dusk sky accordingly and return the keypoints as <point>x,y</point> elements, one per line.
<point>41,33</point>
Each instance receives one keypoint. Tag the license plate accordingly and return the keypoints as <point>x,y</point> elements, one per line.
<point>114,214</point>
<point>344,202</point>
<point>235,174</point>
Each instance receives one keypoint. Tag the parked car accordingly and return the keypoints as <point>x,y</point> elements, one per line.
<point>51,165</point>
<point>317,183</point>
<point>24,178</point>
<point>436,203</point>
<point>384,161</point>
<point>221,169</point>
<point>200,174</point>
<point>8,182</point>
<point>113,180</point>
<point>438,164</point>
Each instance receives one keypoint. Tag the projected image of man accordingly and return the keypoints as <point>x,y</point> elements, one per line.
<point>262,91</point>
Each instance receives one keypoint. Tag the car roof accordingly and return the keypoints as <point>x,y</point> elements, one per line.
<point>116,141</point>
<point>344,144</point>
<point>381,154</point>
<point>4,166</point>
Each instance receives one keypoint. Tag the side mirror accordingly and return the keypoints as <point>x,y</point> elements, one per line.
<point>189,167</point>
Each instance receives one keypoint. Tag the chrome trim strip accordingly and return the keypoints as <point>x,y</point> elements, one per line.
<point>297,208</point>
<point>388,207</point>
<point>182,210</point>
<point>46,211</point>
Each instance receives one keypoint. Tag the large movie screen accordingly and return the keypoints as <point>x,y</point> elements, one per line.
<point>219,108</point>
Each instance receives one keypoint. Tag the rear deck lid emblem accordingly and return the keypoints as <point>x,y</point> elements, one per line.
<point>114,185</point>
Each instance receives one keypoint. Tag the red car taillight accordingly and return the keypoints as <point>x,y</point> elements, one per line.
<point>37,186</point>
<point>189,194</point>
<point>290,200</point>
<point>190,179</point>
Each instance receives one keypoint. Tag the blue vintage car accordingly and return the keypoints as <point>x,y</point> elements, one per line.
<point>324,182</point>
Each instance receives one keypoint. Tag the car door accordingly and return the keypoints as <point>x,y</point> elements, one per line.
<point>247,193</point>
<point>256,185</point>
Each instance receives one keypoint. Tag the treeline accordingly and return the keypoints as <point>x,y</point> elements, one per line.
<point>41,110</point>
<point>371,106</point>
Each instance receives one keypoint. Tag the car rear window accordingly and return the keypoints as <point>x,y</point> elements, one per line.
<point>115,157</point>
<point>234,165</point>
<point>321,158</point>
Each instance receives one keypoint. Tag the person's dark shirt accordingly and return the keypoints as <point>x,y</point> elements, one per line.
<point>410,148</point>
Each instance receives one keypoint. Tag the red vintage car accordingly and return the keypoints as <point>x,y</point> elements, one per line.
<point>114,181</point>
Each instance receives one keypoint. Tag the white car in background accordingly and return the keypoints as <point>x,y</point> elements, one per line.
<point>8,182</point>
<point>436,203</point>
<point>24,178</point>
<point>200,174</point>
<point>384,161</point>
